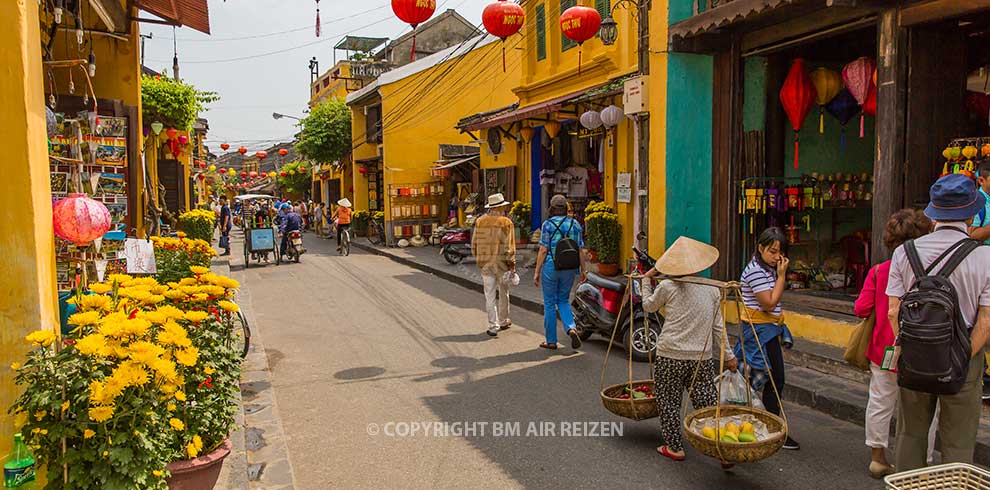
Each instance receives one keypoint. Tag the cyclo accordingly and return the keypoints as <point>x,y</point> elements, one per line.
<point>257,221</point>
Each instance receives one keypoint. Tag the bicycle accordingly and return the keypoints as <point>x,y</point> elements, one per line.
<point>242,339</point>
<point>345,242</point>
<point>376,233</point>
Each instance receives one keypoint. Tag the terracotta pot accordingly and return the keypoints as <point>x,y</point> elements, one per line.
<point>593,256</point>
<point>608,269</point>
<point>200,473</point>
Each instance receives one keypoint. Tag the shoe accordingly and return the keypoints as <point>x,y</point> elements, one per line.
<point>228,253</point>
<point>791,444</point>
<point>986,392</point>
<point>667,452</point>
<point>880,470</point>
<point>505,326</point>
<point>492,331</point>
<point>575,340</point>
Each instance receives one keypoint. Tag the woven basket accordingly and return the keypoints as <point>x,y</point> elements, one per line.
<point>636,409</point>
<point>957,476</point>
<point>737,452</point>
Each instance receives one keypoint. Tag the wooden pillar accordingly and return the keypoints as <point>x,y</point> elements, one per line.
<point>727,101</point>
<point>889,167</point>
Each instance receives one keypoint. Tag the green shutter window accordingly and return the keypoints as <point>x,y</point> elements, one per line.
<point>565,42</point>
<point>603,7</point>
<point>541,32</point>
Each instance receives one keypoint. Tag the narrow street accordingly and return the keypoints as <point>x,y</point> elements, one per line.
<point>360,347</point>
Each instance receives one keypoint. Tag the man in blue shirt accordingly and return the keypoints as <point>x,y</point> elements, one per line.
<point>290,222</point>
<point>225,225</point>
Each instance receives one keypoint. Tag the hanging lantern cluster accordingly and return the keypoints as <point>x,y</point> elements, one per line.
<point>579,24</point>
<point>414,12</point>
<point>503,19</point>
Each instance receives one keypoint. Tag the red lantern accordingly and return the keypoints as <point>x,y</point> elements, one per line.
<point>363,170</point>
<point>414,12</point>
<point>579,24</point>
<point>222,170</point>
<point>200,164</point>
<point>870,107</point>
<point>244,175</point>
<point>183,139</point>
<point>283,152</point>
<point>283,174</point>
<point>242,150</point>
<point>201,176</point>
<point>503,19</point>
<point>79,219</point>
<point>261,155</point>
<point>978,104</point>
<point>171,132</point>
<point>798,96</point>
<point>224,146</point>
<point>858,77</point>
<point>302,169</point>
<point>253,174</point>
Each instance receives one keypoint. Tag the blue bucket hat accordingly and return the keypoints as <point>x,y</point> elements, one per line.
<point>954,198</point>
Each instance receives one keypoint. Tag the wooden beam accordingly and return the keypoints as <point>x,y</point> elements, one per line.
<point>111,13</point>
<point>804,25</point>
<point>889,167</point>
<point>939,9</point>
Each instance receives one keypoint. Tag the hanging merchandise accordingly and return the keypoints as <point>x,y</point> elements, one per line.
<point>242,150</point>
<point>413,12</point>
<point>797,95</point>
<point>579,24</point>
<point>503,19</point>
<point>978,104</point>
<point>827,83</point>
<point>843,107</point>
<point>283,152</point>
<point>261,154</point>
<point>526,133</point>
<point>551,128</point>
<point>858,77</point>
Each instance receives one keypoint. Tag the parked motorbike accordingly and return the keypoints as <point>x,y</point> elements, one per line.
<point>456,244</point>
<point>294,247</point>
<point>597,304</point>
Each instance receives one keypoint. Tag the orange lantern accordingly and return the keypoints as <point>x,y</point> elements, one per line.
<point>80,219</point>
<point>224,146</point>
<point>253,174</point>
<point>171,132</point>
<point>283,152</point>
<point>242,150</point>
<point>261,155</point>
<point>526,134</point>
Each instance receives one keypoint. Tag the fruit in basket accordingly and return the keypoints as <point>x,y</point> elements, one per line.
<point>624,396</point>
<point>746,428</point>
<point>731,427</point>
<point>747,437</point>
<point>729,437</point>
<point>708,433</point>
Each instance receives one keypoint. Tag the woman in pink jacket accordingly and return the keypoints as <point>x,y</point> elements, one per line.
<point>904,225</point>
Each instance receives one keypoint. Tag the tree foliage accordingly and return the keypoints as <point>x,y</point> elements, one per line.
<point>295,181</point>
<point>326,132</point>
<point>172,102</point>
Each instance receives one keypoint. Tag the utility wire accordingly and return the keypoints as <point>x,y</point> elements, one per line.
<point>278,33</point>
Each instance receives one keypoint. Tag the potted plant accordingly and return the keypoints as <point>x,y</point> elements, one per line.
<point>142,393</point>
<point>592,239</point>
<point>198,224</point>
<point>604,230</point>
<point>359,222</point>
<point>174,256</point>
<point>520,214</point>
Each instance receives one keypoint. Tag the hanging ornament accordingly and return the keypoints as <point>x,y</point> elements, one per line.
<point>503,19</point>
<point>183,139</point>
<point>302,169</point>
<point>253,174</point>
<point>242,150</point>
<point>612,116</point>
<point>80,219</point>
<point>843,107</point>
<point>414,12</point>
<point>156,127</point>
<point>525,133</point>
<point>827,83</point>
<point>224,146</point>
<point>261,154</point>
<point>244,175</point>
<point>580,24</point>
<point>317,18</point>
<point>797,96</point>
<point>171,133</point>
<point>283,152</point>
<point>870,107</point>
<point>231,172</point>
<point>283,174</point>
<point>213,168</point>
<point>978,104</point>
<point>858,78</point>
<point>201,176</point>
<point>591,120</point>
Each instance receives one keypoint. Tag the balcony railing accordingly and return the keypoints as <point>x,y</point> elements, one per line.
<point>368,69</point>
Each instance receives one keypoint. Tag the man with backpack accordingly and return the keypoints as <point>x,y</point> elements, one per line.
<point>494,247</point>
<point>560,259</point>
<point>939,290</point>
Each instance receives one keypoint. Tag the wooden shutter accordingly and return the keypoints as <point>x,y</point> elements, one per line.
<point>603,7</point>
<point>541,32</point>
<point>565,42</point>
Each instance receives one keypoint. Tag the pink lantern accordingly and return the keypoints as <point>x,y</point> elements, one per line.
<point>79,219</point>
<point>858,77</point>
<point>183,139</point>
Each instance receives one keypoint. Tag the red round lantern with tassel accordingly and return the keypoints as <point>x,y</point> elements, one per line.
<point>302,169</point>
<point>414,12</point>
<point>261,155</point>
<point>503,19</point>
<point>283,152</point>
<point>201,176</point>
<point>171,133</point>
<point>242,150</point>
<point>252,174</point>
<point>283,174</point>
<point>797,96</point>
<point>244,175</point>
<point>870,106</point>
<point>224,146</point>
<point>580,24</point>
<point>363,170</point>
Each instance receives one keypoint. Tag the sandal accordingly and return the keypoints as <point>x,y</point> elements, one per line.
<point>666,452</point>
<point>548,346</point>
<point>575,339</point>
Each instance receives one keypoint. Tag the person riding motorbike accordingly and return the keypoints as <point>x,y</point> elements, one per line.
<point>290,222</point>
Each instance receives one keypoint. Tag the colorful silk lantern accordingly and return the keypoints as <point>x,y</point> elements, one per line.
<point>526,133</point>
<point>283,174</point>
<point>503,19</point>
<point>231,172</point>
<point>612,116</point>
<point>580,23</point>
<point>414,12</point>
<point>80,219</point>
<point>858,77</point>
<point>156,127</point>
<point>224,146</point>
<point>870,107</point>
<point>843,107</point>
<point>978,104</point>
<point>183,139</point>
<point>201,176</point>
<point>591,120</point>
<point>171,133</point>
<point>261,154</point>
<point>242,150</point>
<point>552,128</point>
<point>827,83</point>
<point>302,169</point>
<point>244,175</point>
<point>283,152</point>
<point>252,174</point>
<point>797,95</point>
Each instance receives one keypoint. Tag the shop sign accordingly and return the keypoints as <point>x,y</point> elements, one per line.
<point>623,187</point>
<point>590,133</point>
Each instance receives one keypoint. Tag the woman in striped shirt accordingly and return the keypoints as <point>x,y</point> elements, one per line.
<point>763,282</point>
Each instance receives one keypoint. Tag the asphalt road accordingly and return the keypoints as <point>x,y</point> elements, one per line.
<point>363,351</point>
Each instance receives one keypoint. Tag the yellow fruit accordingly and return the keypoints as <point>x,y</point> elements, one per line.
<point>732,427</point>
<point>708,432</point>
<point>746,428</point>
<point>721,432</point>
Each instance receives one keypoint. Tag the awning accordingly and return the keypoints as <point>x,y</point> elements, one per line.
<point>454,163</point>
<point>368,161</point>
<point>725,14</point>
<point>545,107</point>
<point>189,13</point>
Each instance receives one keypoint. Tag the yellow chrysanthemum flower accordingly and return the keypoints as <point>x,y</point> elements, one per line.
<point>198,442</point>
<point>15,366</point>
<point>165,370</point>
<point>101,414</point>
<point>170,407</point>
<point>208,370</point>
<point>191,450</point>
<point>136,326</point>
<point>118,278</point>
<point>180,234</point>
<point>174,294</point>
<point>170,311</point>
<point>88,433</point>
<point>176,424</point>
<point>153,299</point>
<point>40,415</point>
<point>65,406</point>
<point>181,396</point>
<point>91,344</point>
<point>86,318</point>
<point>228,306</point>
<point>41,338</point>
<point>198,269</point>
<point>159,289</point>
<point>187,356</point>
<point>196,316</point>
<point>100,288</point>
<point>158,473</point>
<point>93,302</point>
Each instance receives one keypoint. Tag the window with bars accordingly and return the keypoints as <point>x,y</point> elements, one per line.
<point>565,42</point>
<point>541,32</point>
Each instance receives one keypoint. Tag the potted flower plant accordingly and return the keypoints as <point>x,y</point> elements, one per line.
<point>359,222</point>
<point>592,239</point>
<point>198,224</point>
<point>604,231</point>
<point>520,213</point>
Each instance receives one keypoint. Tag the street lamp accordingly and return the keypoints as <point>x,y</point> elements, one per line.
<point>609,30</point>
<point>276,115</point>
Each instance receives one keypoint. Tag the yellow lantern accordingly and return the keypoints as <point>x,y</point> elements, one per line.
<point>213,168</point>
<point>526,134</point>
<point>828,84</point>
<point>552,128</point>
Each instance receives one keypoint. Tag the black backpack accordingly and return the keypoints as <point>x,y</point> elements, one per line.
<point>934,339</point>
<point>566,253</point>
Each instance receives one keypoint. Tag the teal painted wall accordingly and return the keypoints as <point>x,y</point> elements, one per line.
<point>755,94</point>
<point>689,146</point>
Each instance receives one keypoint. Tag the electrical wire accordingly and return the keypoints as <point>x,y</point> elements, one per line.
<point>278,33</point>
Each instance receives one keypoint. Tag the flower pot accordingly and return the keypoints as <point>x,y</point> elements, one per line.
<point>608,269</point>
<point>593,256</point>
<point>200,473</point>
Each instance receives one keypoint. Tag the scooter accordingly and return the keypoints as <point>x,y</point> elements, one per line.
<point>455,244</point>
<point>294,248</point>
<point>597,307</point>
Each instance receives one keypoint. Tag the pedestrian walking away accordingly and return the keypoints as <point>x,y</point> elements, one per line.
<point>494,247</point>
<point>225,225</point>
<point>963,269</point>
<point>906,224</point>
<point>692,326</point>
<point>560,260</point>
<point>763,282</point>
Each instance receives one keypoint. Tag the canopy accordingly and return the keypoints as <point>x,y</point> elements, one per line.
<point>190,13</point>
<point>449,164</point>
<point>359,43</point>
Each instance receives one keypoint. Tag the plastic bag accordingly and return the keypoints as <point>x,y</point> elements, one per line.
<point>732,388</point>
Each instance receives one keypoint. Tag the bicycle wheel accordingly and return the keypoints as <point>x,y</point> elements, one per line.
<point>242,338</point>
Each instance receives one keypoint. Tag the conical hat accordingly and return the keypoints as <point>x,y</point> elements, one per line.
<point>687,256</point>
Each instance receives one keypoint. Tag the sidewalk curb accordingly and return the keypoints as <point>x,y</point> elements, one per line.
<point>839,398</point>
<point>233,475</point>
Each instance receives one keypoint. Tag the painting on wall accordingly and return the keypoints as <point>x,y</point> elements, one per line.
<point>112,184</point>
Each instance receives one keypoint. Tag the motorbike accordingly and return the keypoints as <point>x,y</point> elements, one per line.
<point>294,247</point>
<point>455,244</point>
<point>597,307</point>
